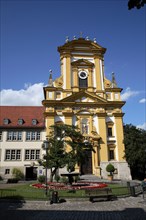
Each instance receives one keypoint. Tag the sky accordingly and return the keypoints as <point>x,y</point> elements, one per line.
<point>31,31</point>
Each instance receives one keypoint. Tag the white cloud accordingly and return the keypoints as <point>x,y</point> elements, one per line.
<point>31,95</point>
<point>143,126</point>
<point>128,94</point>
<point>142,100</point>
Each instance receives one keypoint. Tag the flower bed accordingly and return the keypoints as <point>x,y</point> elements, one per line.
<point>74,186</point>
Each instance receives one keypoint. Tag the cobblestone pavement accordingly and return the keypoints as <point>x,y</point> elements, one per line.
<point>130,208</point>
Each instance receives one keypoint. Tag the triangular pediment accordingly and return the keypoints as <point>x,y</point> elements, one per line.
<point>84,97</point>
<point>82,62</point>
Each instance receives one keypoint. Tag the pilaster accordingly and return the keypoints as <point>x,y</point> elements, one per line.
<point>119,135</point>
<point>103,135</point>
<point>98,74</point>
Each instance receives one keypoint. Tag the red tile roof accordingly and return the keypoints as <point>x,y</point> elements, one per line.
<point>27,113</point>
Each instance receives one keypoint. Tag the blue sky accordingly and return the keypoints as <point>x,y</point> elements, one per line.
<point>32,30</point>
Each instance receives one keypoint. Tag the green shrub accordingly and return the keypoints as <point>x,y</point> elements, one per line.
<point>1,178</point>
<point>18,174</point>
<point>57,178</point>
<point>41,179</point>
<point>110,168</point>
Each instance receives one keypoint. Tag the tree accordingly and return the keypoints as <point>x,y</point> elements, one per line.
<point>136,3</point>
<point>135,150</point>
<point>67,148</point>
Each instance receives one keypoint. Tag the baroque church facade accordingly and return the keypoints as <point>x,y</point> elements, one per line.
<point>84,97</point>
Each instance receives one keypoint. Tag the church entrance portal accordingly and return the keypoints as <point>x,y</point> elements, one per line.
<point>86,167</point>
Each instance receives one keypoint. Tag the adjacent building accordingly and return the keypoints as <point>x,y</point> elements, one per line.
<point>22,131</point>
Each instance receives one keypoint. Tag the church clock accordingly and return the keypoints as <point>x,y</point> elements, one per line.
<point>83,75</point>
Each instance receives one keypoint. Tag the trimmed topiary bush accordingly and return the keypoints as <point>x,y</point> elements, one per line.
<point>110,168</point>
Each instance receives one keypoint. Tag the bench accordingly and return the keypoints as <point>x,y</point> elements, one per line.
<point>104,193</point>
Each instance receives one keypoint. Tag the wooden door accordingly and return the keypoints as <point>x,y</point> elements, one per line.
<point>86,167</point>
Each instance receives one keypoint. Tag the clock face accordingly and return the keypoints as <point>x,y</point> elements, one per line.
<point>83,75</point>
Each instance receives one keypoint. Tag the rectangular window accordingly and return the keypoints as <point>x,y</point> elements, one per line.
<point>50,95</point>
<point>9,136</point>
<point>13,154</point>
<point>109,130</point>
<point>38,136</point>
<point>7,157</point>
<point>19,137</point>
<point>14,136</point>
<point>32,154</point>
<point>33,136</point>
<point>111,154</point>
<point>37,154</point>
<point>7,171</point>
<point>28,136</point>
<point>27,154</point>
<point>18,154</point>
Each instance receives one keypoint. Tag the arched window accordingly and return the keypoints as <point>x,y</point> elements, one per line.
<point>84,126</point>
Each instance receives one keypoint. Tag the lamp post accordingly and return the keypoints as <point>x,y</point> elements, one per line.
<point>46,147</point>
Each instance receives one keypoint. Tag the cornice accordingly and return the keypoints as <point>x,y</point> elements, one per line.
<point>113,89</point>
<point>117,114</point>
<point>75,45</point>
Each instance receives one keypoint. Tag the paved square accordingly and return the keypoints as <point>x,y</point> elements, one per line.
<point>130,208</point>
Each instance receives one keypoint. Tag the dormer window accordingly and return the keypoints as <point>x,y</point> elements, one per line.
<point>6,121</point>
<point>20,121</point>
<point>34,121</point>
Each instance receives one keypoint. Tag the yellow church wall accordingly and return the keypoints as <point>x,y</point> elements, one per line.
<point>119,138</point>
<point>49,122</point>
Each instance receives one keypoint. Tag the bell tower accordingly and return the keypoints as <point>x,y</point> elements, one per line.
<point>82,64</point>
<point>84,97</point>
